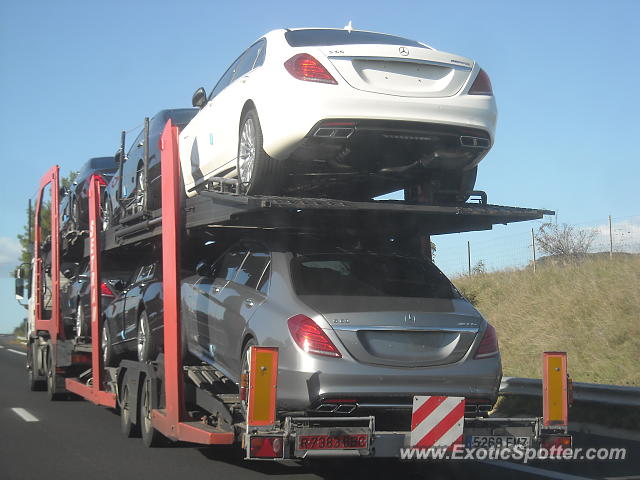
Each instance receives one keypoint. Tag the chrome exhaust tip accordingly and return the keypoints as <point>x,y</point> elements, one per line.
<point>477,142</point>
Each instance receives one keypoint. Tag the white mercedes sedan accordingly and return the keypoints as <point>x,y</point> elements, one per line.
<point>342,113</point>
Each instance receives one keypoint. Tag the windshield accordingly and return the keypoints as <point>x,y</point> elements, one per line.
<point>326,37</point>
<point>367,274</point>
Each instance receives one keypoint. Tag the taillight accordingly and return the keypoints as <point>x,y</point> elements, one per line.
<point>266,447</point>
<point>305,67</point>
<point>105,291</point>
<point>310,337</point>
<point>100,180</point>
<point>481,85</point>
<point>489,343</point>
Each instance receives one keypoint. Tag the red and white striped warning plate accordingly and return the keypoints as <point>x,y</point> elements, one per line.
<point>437,421</point>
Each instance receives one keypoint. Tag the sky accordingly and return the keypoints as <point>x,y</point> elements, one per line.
<point>565,74</point>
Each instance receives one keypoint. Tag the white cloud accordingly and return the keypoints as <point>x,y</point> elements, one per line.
<point>9,253</point>
<point>625,234</point>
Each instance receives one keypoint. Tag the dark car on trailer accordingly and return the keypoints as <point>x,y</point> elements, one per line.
<point>74,206</point>
<point>133,322</point>
<point>75,297</point>
<point>136,189</point>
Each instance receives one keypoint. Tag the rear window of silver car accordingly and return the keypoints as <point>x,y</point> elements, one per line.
<point>364,274</point>
<point>325,37</point>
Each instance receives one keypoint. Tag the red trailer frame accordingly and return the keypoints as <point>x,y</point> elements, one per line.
<point>50,325</point>
<point>94,392</point>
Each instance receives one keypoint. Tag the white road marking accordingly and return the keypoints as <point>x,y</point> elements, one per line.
<point>17,351</point>
<point>536,471</point>
<point>1,347</point>
<point>23,414</point>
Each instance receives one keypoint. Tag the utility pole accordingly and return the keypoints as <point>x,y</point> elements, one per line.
<point>610,239</point>
<point>533,249</point>
<point>469,255</point>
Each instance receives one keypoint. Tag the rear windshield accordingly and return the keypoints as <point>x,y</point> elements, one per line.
<point>98,164</point>
<point>364,274</point>
<point>326,37</point>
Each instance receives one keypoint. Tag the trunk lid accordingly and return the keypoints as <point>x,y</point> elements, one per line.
<point>399,331</point>
<point>400,70</point>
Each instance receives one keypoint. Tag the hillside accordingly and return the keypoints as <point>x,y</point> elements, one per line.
<point>589,308</point>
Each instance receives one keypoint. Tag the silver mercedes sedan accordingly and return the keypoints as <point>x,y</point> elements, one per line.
<point>356,330</point>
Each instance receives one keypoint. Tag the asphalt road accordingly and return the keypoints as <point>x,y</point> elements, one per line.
<point>76,439</point>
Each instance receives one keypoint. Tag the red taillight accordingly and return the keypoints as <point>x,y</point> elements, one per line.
<point>105,291</point>
<point>266,447</point>
<point>481,85</point>
<point>310,337</point>
<point>100,180</point>
<point>305,67</point>
<point>489,343</point>
<point>557,442</point>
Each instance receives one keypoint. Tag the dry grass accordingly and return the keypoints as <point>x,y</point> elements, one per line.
<point>588,308</point>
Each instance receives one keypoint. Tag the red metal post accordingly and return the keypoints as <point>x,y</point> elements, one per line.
<point>170,420</point>
<point>95,393</point>
<point>51,325</point>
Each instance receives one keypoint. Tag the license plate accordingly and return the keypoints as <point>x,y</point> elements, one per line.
<point>495,441</point>
<point>332,442</point>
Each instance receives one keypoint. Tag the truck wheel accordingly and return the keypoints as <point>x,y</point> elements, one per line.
<point>108,359</point>
<point>258,173</point>
<point>33,369</point>
<point>127,427</point>
<point>147,351</point>
<point>52,379</point>
<point>150,436</point>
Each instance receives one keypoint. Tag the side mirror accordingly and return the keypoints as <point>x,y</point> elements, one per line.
<point>199,98</point>
<point>205,269</point>
<point>68,273</point>
<point>19,288</point>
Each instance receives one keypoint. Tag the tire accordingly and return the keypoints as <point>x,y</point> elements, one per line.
<point>244,365</point>
<point>140,189</point>
<point>108,357</point>
<point>127,427</point>
<point>107,213</point>
<point>75,213</point>
<point>147,350</point>
<point>453,188</point>
<point>80,325</point>
<point>258,173</point>
<point>150,436</point>
<point>34,382</point>
<point>52,380</point>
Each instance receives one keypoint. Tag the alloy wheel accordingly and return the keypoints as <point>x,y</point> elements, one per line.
<point>247,151</point>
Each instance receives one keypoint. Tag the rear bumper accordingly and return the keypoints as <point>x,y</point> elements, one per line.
<point>300,390</point>
<point>292,109</point>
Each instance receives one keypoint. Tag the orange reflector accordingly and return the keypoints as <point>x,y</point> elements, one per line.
<point>263,379</point>
<point>555,400</point>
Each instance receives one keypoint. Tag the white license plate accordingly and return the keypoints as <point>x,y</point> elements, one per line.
<point>495,441</point>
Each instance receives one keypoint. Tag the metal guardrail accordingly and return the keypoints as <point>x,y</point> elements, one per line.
<point>582,392</point>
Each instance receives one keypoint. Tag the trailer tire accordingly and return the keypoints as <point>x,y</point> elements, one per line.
<point>127,427</point>
<point>150,436</point>
<point>52,379</point>
<point>36,384</point>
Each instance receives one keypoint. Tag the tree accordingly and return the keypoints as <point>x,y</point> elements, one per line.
<point>564,240</point>
<point>45,216</point>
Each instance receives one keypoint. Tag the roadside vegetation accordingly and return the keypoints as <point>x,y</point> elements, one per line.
<point>588,306</point>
